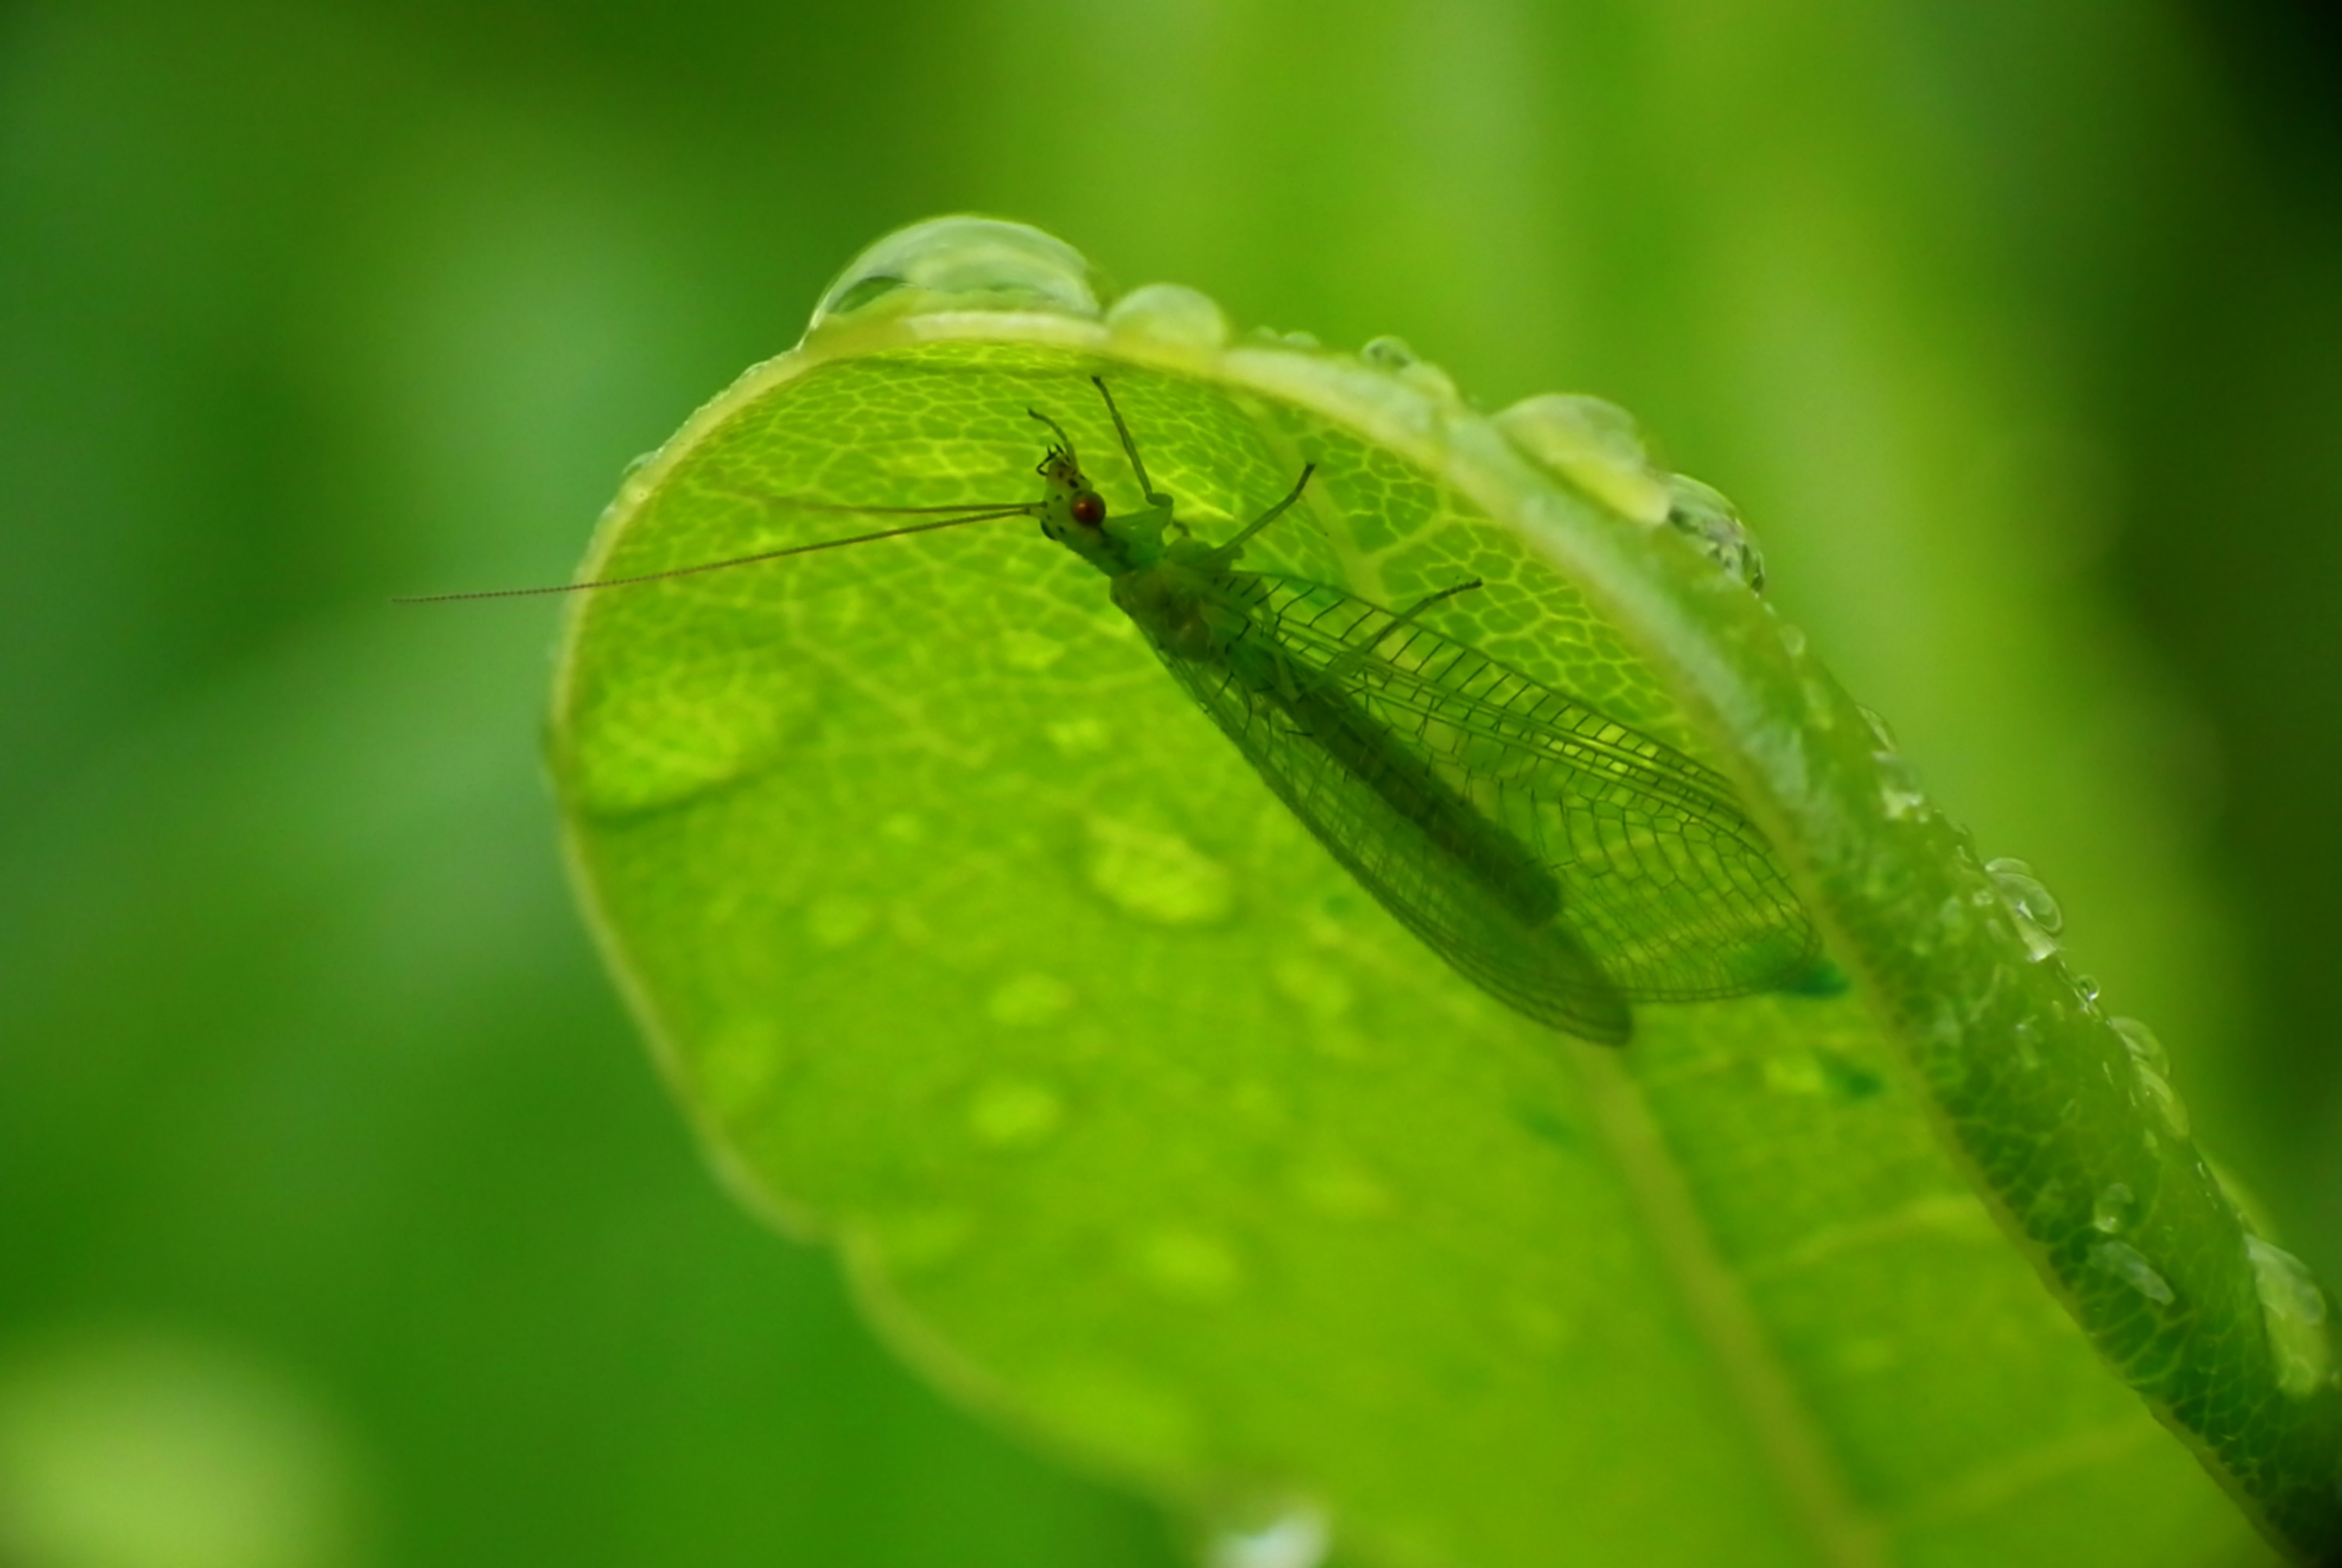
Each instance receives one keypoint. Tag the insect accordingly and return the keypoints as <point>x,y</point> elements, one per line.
<point>1562,862</point>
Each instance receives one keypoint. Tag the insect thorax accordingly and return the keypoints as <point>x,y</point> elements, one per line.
<point>1177,609</point>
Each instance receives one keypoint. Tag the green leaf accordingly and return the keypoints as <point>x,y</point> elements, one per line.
<point>976,952</point>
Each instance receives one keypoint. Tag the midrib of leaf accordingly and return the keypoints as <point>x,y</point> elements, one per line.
<point>1780,1423</point>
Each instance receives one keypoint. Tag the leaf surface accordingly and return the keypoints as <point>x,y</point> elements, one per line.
<point>976,952</point>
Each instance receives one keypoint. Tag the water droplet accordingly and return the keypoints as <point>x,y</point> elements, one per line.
<point>1898,787</point>
<point>1027,1000</point>
<point>961,263</point>
<point>1392,355</point>
<point>2126,1263</point>
<point>1157,876</point>
<point>1170,312</point>
<point>1703,515</point>
<point>1821,700</point>
<point>1431,381</point>
<point>2086,987</point>
<point>2159,1093</point>
<point>1015,1113</point>
<point>2284,1283</point>
<point>2293,1312</point>
<point>2112,1208</point>
<point>1793,641</point>
<point>1880,730</point>
<point>1189,1264</point>
<point>1297,1536</point>
<point>2038,918</point>
<point>1302,340</point>
<point>2022,891</point>
<point>1595,446</point>
<point>2144,1047</point>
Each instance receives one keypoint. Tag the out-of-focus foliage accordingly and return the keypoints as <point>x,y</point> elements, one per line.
<point>327,1164</point>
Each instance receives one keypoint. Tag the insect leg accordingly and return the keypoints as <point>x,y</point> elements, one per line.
<point>1228,551</point>
<point>1130,448</point>
<point>1352,658</point>
<point>1402,617</point>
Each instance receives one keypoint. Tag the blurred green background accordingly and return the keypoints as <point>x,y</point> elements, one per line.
<point>342,1220</point>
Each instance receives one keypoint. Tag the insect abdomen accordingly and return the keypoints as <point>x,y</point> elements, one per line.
<point>1409,785</point>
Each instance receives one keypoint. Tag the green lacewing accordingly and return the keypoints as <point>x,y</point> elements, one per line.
<point>1562,862</point>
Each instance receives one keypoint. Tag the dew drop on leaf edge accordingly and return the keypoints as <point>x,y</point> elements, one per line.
<point>1703,515</point>
<point>1170,312</point>
<point>2144,1047</point>
<point>1899,794</point>
<point>2037,912</point>
<point>2151,1067</point>
<point>961,263</point>
<point>2128,1264</point>
<point>2293,1313</point>
<point>1592,444</point>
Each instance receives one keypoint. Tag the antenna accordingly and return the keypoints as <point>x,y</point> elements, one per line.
<point>1025,509</point>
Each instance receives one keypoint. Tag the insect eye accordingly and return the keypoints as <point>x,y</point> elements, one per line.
<point>1089,509</point>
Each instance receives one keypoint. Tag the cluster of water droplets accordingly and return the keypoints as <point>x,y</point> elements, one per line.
<point>965,263</point>
<point>2150,1071</point>
<point>2034,912</point>
<point>2293,1307</point>
<point>1899,794</point>
<point>1599,447</point>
